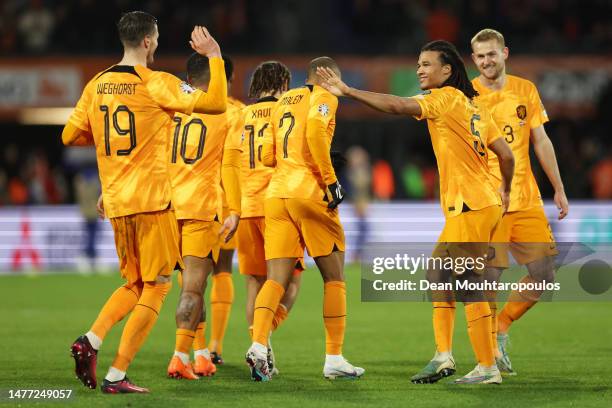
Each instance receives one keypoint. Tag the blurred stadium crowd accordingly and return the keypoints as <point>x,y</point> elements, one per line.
<point>393,167</point>
<point>357,26</point>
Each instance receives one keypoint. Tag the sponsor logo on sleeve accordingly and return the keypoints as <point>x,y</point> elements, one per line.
<point>186,88</point>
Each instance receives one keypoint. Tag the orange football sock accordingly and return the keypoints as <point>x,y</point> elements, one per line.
<point>140,323</point>
<point>517,305</point>
<point>478,317</point>
<point>444,325</point>
<point>279,316</point>
<point>221,299</point>
<point>266,303</point>
<point>199,341</point>
<point>251,333</point>
<point>334,316</point>
<point>121,302</point>
<point>184,340</point>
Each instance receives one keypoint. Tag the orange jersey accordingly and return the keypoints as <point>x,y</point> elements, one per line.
<point>129,110</point>
<point>254,176</point>
<point>516,109</point>
<point>195,165</point>
<point>460,133</point>
<point>297,173</point>
<point>234,118</point>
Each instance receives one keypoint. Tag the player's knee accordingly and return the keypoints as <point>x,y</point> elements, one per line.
<point>136,287</point>
<point>161,279</point>
<point>493,274</point>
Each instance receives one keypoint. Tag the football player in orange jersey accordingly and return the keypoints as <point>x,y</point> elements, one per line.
<point>524,230</point>
<point>460,131</point>
<point>301,211</point>
<point>269,81</point>
<point>222,291</point>
<point>124,111</point>
<point>203,152</point>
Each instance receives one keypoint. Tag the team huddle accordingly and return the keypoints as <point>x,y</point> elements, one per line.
<point>189,174</point>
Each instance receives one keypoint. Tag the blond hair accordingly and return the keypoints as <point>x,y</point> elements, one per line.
<point>488,34</point>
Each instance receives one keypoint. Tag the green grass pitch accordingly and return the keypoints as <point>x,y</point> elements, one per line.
<point>561,351</point>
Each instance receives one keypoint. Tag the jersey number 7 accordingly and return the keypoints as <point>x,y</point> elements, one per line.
<point>286,115</point>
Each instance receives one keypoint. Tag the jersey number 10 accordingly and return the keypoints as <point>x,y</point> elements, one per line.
<point>201,140</point>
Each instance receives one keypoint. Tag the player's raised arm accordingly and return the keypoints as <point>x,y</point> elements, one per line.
<point>393,104</point>
<point>215,100</point>
<point>230,172</point>
<point>545,153</point>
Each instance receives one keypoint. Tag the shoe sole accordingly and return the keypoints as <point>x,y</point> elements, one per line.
<point>118,391</point>
<point>490,381</point>
<point>82,367</point>
<point>342,377</point>
<point>256,375</point>
<point>204,374</point>
<point>445,372</point>
<point>179,376</point>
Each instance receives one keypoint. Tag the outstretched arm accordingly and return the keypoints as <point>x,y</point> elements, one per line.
<point>545,152</point>
<point>393,104</point>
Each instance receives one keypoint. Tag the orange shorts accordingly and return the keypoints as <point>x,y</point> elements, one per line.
<point>231,244</point>
<point>200,238</point>
<point>147,245</point>
<point>526,234</point>
<point>468,234</point>
<point>251,250</point>
<point>293,224</point>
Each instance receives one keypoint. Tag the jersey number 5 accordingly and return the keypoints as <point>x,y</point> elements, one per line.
<point>131,130</point>
<point>201,141</point>
<point>478,144</point>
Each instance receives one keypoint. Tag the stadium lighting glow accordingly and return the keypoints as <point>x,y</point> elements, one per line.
<point>44,116</point>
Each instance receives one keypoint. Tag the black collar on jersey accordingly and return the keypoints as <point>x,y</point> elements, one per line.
<point>126,69</point>
<point>268,98</point>
<point>309,86</point>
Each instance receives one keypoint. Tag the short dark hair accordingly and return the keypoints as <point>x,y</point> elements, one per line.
<point>229,67</point>
<point>198,70</point>
<point>450,56</point>
<point>134,26</point>
<point>269,76</point>
<point>323,62</point>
